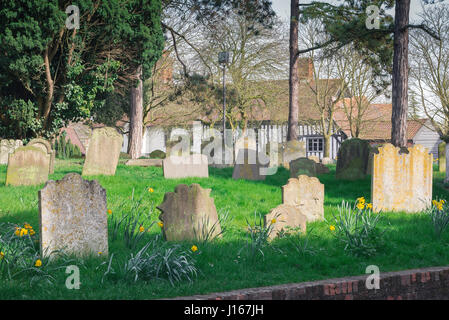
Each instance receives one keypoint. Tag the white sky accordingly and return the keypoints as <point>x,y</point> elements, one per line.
<point>282,8</point>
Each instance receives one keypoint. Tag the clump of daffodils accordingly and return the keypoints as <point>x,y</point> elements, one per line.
<point>438,204</point>
<point>27,229</point>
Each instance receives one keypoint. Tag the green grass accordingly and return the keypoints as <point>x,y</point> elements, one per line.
<point>409,238</point>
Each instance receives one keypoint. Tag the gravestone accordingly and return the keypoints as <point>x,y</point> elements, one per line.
<point>293,150</point>
<point>7,147</point>
<point>372,150</point>
<point>195,165</point>
<point>73,217</point>
<point>306,193</point>
<point>402,181</point>
<point>144,162</point>
<point>27,166</point>
<point>103,152</point>
<point>45,146</point>
<point>442,157</point>
<point>352,160</point>
<point>245,142</point>
<point>248,166</point>
<point>314,158</point>
<point>302,166</point>
<point>157,154</point>
<point>285,216</point>
<point>189,213</point>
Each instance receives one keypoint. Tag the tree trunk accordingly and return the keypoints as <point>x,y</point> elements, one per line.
<point>400,75</point>
<point>327,146</point>
<point>293,82</point>
<point>136,118</point>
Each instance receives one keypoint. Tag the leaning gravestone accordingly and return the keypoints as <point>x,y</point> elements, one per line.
<point>73,217</point>
<point>302,166</point>
<point>103,152</point>
<point>442,157</point>
<point>176,167</point>
<point>45,146</point>
<point>27,166</point>
<point>352,160</point>
<point>402,181</point>
<point>189,213</point>
<point>306,193</point>
<point>283,217</point>
<point>7,147</point>
<point>248,166</point>
<point>293,150</point>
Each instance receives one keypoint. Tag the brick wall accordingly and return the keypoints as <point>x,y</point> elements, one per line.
<point>428,283</point>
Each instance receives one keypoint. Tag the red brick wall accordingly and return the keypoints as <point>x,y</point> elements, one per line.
<point>428,283</point>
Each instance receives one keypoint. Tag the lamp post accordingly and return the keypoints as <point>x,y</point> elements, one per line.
<point>223,59</point>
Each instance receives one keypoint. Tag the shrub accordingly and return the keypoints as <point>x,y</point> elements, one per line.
<point>357,228</point>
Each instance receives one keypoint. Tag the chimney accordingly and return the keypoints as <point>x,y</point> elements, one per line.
<point>305,69</point>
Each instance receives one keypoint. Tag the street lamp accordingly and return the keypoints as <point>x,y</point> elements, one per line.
<point>223,59</point>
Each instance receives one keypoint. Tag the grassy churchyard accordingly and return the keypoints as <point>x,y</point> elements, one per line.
<point>239,259</point>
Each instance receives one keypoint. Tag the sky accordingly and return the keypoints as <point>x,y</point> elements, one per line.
<point>282,8</point>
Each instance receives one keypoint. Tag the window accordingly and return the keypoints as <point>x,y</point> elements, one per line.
<point>315,144</point>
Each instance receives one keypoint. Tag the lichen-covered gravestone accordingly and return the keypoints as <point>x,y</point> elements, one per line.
<point>73,217</point>
<point>176,167</point>
<point>293,150</point>
<point>352,159</point>
<point>7,147</point>
<point>103,152</point>
<point>442,157</point>
<point>45,146</point>
<point>27,166</point>
<point>306,193</point>
<point>189,213</point>
<point>402,181</point>
<point>302,166</point>
<point>284,217</point>
<point>248,166</point>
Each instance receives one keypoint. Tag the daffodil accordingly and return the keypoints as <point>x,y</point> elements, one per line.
<point>109,211</point>
<point>27,226</point>
<point>194,248</point>
<point>32,233</point>
<point>273,221</point>
<point>369,205</point>
<point>150,190</point>
<point>332,228</point>
<point>141,229</point>
<point>38,263</point>
<point>160,224</point>
<point>2,255</point>
<point>361,200</point>
<point>360,206</point>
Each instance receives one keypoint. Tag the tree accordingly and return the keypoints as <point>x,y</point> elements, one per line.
<point>346,23</point>
<point>293,80</point>
<point>430,71</point>
<point>51,74</point>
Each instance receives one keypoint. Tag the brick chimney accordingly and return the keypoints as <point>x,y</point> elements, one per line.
<point>305,69</point>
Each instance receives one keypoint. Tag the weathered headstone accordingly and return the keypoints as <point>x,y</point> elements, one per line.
<point>189,213</point>
<point>7,147</point>
<point>144,162</point>
<point>157,154</point>
<point>442,157</point>
<point>27,166</point>
<point>352,160</point>
<point>284,217</point>
<point>248,166</point>
<point>402,181</point>
<point>306,193</point>
<point>293,150</point>
<point>372,151</point>
<point>73,217</point>
<point>302,166</point>
<point>45,146</point>
<point>103,152</point>
<point>195,165</point>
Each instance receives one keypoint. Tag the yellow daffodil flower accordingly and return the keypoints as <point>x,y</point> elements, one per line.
<point>109,211</point>
<point>150,190</point>
<point>194,248</point>
<point>332,228</point>
<point>360,206</point>
<point>273,221</point>
<point>141,229</point>
<point>2,255</point>
<point>369,205</point>
<point>38,263</point>
<point>160,224</point>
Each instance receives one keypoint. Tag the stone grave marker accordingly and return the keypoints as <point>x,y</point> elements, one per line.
<point>303,166</point>
<point>293,150</point>
<point>189,213</point>
<point>284,217</point>
<point>27,166</point>
<point>46,147</point>
<point>352,159</point>
<point>306,193</point>
<point>73,217</point>
<point>195,165</point>
<point>7,147</point>
<point>103,152</point>
<point>248,166</point>
<point>402,181</point>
